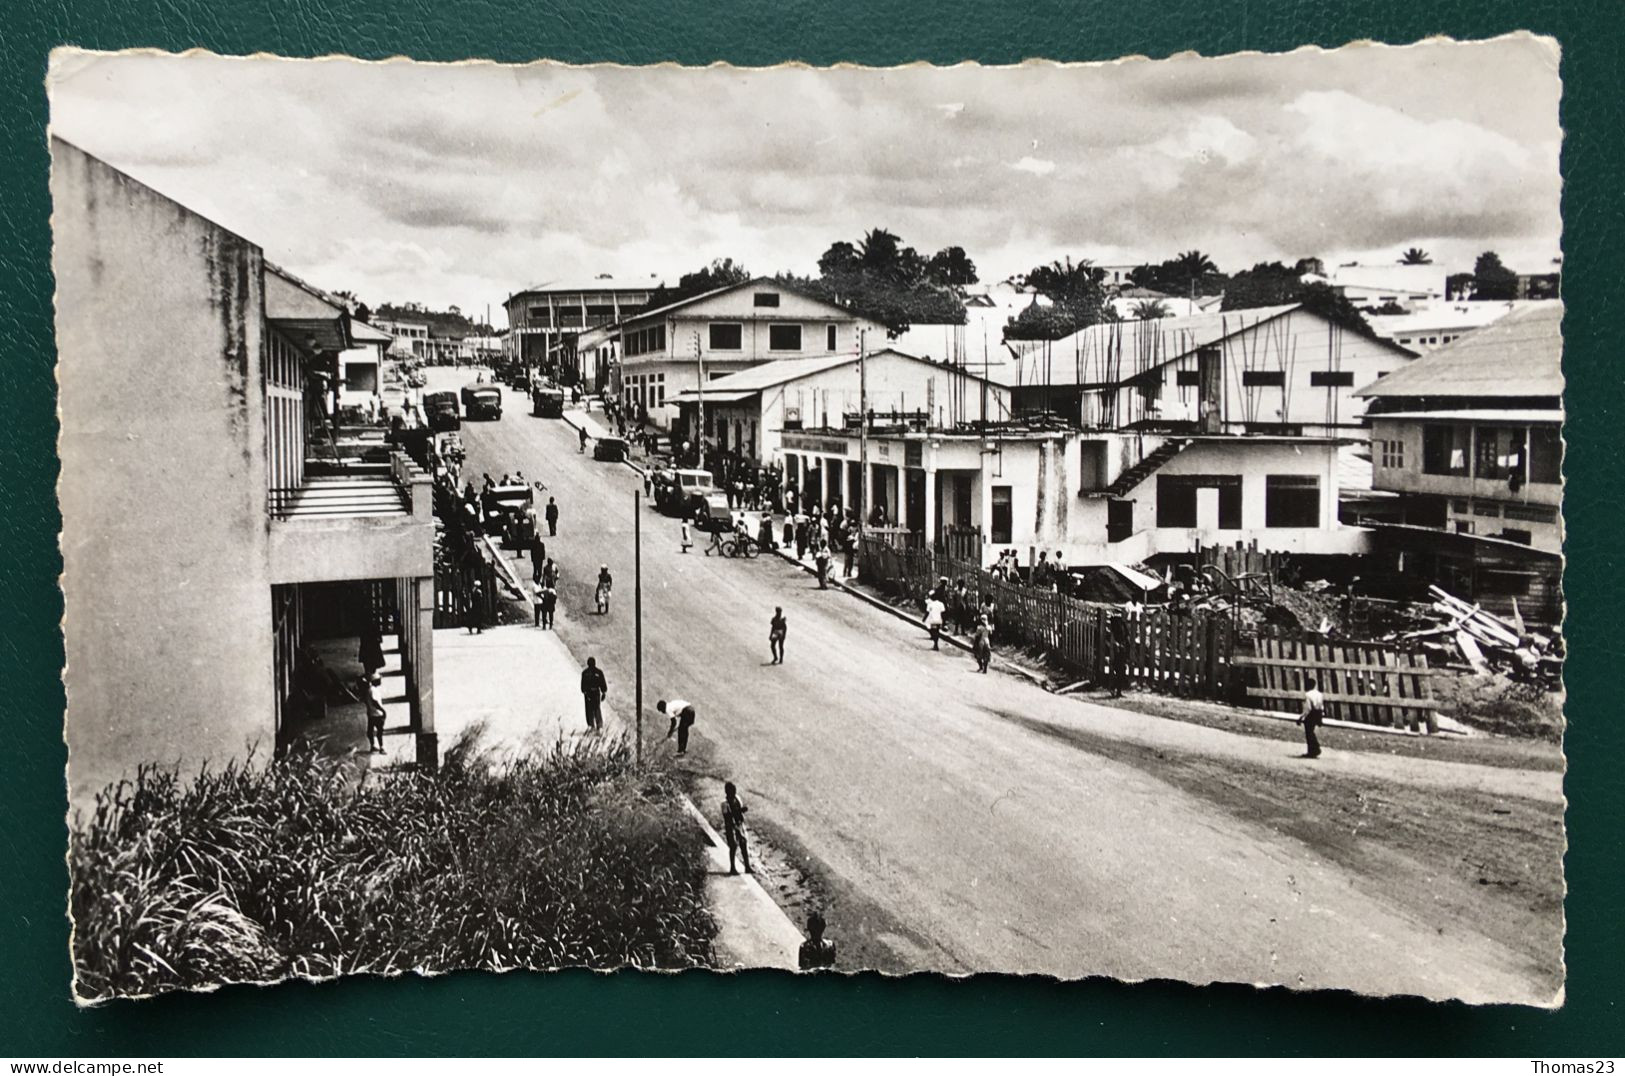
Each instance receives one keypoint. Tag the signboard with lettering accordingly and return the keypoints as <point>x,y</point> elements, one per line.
<point>803,442</point>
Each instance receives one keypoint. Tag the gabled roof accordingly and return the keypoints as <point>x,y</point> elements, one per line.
<point>1518,356</point>
<point>782,371</point>
<point>362,333</point>
<point>751,283</point>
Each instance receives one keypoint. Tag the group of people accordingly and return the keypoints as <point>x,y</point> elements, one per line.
<point>972,617</point>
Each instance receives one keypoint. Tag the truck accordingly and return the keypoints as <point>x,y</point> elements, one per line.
<point>547,401</point>
<point>440,410</point>
<point>482,401</point>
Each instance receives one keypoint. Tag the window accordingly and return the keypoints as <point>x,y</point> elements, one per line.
<point>1188,378</point>
<point>570,317</point>
<point>1445,448</point>
<point>1177,497</point>
<point>1342,379</point>
<point>601,313</point>
<point>1500,454</point>
<point>1461,506</point>
<point>829,331</point>
<point>766,298</point>
<point>1487,509</point>
<point>540,315</point>
<point>1254,378</point>
<point>1392,454</point>
<point>1530,513</point>
<point>1292,500</point>
<point>784,337</point>
<point>1546,455</point>
<point>1504,582</point>
<point>727,336</point>
<point>1001,516</point>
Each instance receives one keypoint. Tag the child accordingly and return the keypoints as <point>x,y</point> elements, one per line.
<point>688,543</point>
<point>1314,712</point>
<point>375,714</point>
<point>815,952</point>
<point>733,827</point>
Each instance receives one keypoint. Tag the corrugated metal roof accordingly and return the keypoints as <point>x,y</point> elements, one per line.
<point>1519,355</point>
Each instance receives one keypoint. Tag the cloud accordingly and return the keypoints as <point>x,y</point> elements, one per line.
<point>463,183</point>
<point>1035,165</point>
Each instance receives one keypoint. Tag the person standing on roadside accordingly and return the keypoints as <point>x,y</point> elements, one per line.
<point>982,638</point>
<point>582,448</point>
<point>538,552</point>
<point>375,714</point>
<point>1313,716</point>
<point>934,609</point>
<point>777,629</point>
<point>593,689</point>
<point>733,827</point>
<point>816,952</point>
<point>687,540</point>
<point>552,516</point>
<point>821,559</point>
<point>550,603</point>
<point>681,713</point>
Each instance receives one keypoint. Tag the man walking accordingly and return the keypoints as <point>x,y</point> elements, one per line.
<point>538,554</point>
<point>777,628</point>
<point>583,446</point>
<point>1314,714</point>
<point>593,690</point>
<point>550,602</point>
<point>934,609</point>
<point>681,713</point>
<point>983,640</point>
<point>552,515</point>
<point>733,827</point>
<point>821,560</point>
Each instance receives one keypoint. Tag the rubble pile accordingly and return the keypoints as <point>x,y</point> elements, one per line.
<point>1454,632</point>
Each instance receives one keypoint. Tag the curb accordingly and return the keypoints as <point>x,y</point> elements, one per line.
<point>627,463</point>
<point>752,884</point>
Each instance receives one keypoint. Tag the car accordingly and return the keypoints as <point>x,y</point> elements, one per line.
<point>440,409</point>
<point>547,401</point>
<point>499,504</point>
<point>609,449</point>
<point>482,401</point>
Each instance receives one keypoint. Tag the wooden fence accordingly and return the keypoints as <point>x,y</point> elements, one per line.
<point>1189,655</point>
<point>452,589</point>
<point>1368,683</point>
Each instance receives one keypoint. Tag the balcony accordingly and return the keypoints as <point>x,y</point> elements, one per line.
<point>353,518</point>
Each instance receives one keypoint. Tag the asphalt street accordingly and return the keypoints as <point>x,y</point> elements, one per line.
<point>955,836</point>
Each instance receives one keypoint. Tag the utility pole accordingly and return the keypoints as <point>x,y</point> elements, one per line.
<point>699,432</point>
<point>863,435</point>
<point>637,610</point>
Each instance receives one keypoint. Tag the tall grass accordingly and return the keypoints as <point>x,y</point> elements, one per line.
<point>253,874</point>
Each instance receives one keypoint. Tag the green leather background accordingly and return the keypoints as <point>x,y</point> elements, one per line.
<point>766,1012</point>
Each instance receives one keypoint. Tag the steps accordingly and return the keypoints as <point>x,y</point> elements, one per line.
<point>1145,468</point>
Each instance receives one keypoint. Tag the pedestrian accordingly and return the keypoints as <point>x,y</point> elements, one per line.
<point>593,689</point>
<point>982,640</point>
<point>538,555</point>
<point>816,952</point>
<point>733,827</point>
<point>716,539</point>
<point>681,713</point>
<point>474,609</point>
<point>550,603</point>
<point>821,558</point>
<point>687,540</point>
<point>851,556</point>
<point>582,447</point>
<point>648,485</point>
<point>962,607</point>
<point>1313,716</point>
<point>764,533</point>
<point>803,536</point>
<point>375,714</point>
<point>789,530</point>
<point>551,513</point>
<point>605,584</point>
<point>536,590</point>
<point>934,609</point>
<point>371,654</point>
<point>777,629</point>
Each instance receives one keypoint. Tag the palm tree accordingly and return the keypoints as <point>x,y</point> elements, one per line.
<point>1146,309</point>
<point>1416,256</point>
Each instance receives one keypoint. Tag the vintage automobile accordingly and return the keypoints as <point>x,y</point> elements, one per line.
<point>547,401</point>
<point>482,401</point>
<point>683,492</point>
<point>499,506</point>
<point>609,449</point>
<point>440,409</point>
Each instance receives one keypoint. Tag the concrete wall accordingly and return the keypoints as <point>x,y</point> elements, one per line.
<point>159,365</point>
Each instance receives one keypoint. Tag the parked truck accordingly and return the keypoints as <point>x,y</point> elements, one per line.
<point>482,401</point>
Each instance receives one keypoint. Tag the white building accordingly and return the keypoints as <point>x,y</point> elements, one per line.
<point>1376,285</point>
<point>1438,324</point>
<point>361,368</point>
<point>724,331</point>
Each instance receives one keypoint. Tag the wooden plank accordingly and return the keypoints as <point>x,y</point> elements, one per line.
<point>1268,693</point>
<point>1241,659</point>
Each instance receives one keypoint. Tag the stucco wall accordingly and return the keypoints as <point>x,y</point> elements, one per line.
<point>159,363</point>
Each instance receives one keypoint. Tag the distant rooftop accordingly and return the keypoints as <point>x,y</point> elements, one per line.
<point>606,283</point>
<point>1518,356</point>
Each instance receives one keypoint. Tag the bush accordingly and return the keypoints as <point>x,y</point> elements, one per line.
<point>253,874</point>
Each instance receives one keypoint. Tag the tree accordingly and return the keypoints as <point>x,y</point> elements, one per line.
<point>1265,284</point>
<point>721,273</point>
<point>1416,256</point>
<point>886,281</point>
<point>1493,280</point>
<point>1389,308</point>
<point>1191,273</point>
<point>1147,309</point>
<point>840,258</point>
<point>1077,295</point>
<point>951,267</point>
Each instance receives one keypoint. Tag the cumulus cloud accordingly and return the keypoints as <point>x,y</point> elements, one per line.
<point>460,184</point>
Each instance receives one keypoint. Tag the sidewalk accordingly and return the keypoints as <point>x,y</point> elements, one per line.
<point>523,685</point>
<point>579,418</point>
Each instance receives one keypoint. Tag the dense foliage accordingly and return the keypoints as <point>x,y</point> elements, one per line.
<point>253,874</point>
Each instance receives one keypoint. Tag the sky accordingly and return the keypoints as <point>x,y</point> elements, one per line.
<point>461,184</point>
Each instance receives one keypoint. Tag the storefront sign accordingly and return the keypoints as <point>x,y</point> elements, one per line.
<point>801,442</point>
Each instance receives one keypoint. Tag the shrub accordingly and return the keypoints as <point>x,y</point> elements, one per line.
<point>251,874</point>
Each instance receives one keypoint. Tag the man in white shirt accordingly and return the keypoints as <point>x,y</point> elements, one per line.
<point>1314,712</point>
<point>934,610</point>
<point>681,712</point>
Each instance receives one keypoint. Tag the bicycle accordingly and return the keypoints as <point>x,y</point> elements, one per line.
<point>748,548</point>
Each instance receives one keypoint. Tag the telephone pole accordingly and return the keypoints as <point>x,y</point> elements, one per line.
<point>637,611</point>
<point>863,434</point>
<point>699,432</point>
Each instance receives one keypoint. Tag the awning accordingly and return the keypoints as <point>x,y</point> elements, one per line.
<point>720,396</point>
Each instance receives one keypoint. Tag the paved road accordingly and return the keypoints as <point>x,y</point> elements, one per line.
<point>967,839</point>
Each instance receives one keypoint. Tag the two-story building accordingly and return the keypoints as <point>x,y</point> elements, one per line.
<point>1281,370</point>
<point>666,351</point>
<point>545,322</point>
<point>1471,438</point>
<point>410,339</point>
<point>361,368</point>
<point>218,533</point>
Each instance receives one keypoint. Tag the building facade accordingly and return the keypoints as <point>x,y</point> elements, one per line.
<point>361,368</point>
<point>213,531</point>
<point>726,331</point>
<point>545,322</point>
